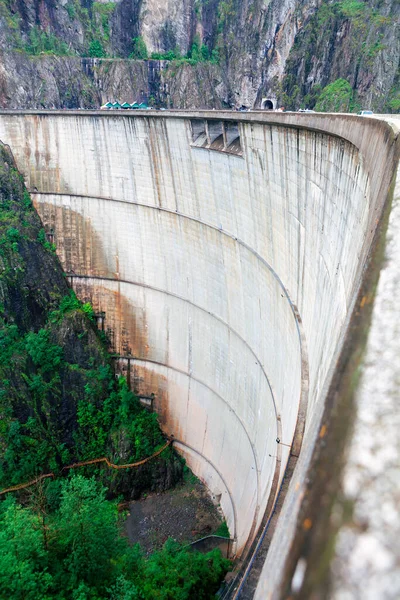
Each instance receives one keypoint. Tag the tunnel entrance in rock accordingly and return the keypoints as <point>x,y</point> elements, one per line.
<point>267,104</point>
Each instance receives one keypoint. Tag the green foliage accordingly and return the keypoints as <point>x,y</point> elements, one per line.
<point>30,445</point>
<point>23,556</point>
<point>9,338</point>
<point>9,241</point>
<point>68,304</point>
<point>189,477</point>
<point>75,550</point>
<point>336,97</point>
<point>96,49</point>
<point>394,105</point>
<point>42,42</point>
<point>139,50</point>
<point>45,243</point>
<point>102,12</point>
<point>195,51</point>
<point>95,24</point>
<point>226,10</point>
<point>104,411</point>
<point>374,49</point>
<point>204,53</point>
<point>12,19</point>
<point>175,573</point>
<point>393,101</point>
<point>310,53</point>
<point>198,53</point>
<point>223,530</point>
<point>26,201</point>
<point>352,8</point>
<point>88,534</point>
<point>70,8</point>
<point>45,356</point>
<point>170,55</point>
<point>120,412</point>
<point>215,56</point>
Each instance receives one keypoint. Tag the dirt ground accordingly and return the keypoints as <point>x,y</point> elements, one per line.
<point>185,513</point>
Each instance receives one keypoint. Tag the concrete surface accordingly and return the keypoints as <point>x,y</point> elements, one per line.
<point>227,280</point>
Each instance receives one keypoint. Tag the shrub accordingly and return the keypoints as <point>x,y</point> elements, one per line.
<point>96,49</point>
<point>336,97</point>
<point>41,42</point>
<point>139,50</point>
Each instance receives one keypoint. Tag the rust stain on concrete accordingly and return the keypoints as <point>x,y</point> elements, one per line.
<point>79,246</point>
<point>82,253</point>
<point>146,381</point>
<point>125,324</point>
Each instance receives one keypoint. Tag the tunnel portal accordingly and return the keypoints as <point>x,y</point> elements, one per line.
<point>267,104</point>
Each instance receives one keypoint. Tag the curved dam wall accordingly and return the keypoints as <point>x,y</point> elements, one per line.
<point>225,252</point>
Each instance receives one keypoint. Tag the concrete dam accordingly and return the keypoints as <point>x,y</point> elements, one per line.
<point>223,253</point>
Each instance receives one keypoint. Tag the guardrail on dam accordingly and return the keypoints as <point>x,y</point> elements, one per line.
<point>226,251</point>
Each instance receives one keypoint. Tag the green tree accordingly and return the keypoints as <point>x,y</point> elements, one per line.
<point>174,573</point>
<point>88,540</point>
<point>96,49</point>
<point>139,50</point>
<point>76,552</point>
<point>195,51</point>
<point>23,556</point>
<point>46,43</point>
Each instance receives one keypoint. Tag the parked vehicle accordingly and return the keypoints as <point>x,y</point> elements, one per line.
<point>365,113</point>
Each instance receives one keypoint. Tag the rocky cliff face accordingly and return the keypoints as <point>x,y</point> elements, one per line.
<point>360,43</point>
<point>240,51</point>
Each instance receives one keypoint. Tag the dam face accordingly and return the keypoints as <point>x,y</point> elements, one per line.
<point>224,253</point>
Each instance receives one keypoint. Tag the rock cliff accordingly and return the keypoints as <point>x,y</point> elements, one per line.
<point>218,52</point>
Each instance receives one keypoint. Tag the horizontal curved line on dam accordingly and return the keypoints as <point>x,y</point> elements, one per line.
<point>207,460</point>
<point>277,416</point>
<point>295,312</point>
<point>186,301</point>
<point>190,218</point>
<point>303,400</point>
<point>253,450</point>
<point>199,381</point>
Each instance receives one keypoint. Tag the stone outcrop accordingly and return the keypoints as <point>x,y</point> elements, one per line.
<point>266,49</point>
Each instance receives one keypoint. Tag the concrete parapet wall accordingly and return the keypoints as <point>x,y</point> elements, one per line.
<point>227,280</point>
